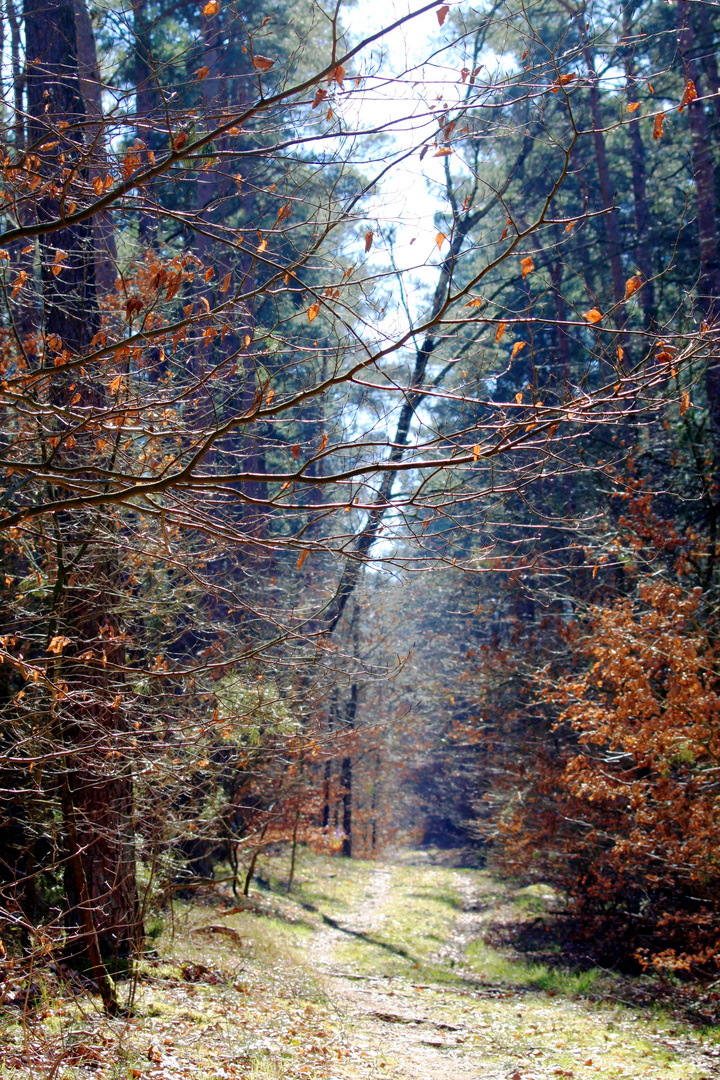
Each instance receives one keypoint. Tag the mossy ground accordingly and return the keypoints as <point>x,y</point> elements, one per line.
<point>368,969</point>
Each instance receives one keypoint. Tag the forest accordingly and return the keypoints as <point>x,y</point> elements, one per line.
<point>359,485</point>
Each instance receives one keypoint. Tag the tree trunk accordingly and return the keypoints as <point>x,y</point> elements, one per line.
<point>642,211</point>
<point>704,173</point>
<point>145,103</point>
<point>706,42</point>
<point>612,231</point>
<point>23,309</point>
<point>703,168</point>
<point>293,856</point>
<point>346,781</point>
<point>91,90</point>
<point>346,769</point>
<point>97,792</point>
<point>53,98</point>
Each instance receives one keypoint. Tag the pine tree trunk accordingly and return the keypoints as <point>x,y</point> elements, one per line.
<point>704,173</point>
<point>91,90</point>
<point>642,211</point>
<point>102,917</point>
<point>612,231</point>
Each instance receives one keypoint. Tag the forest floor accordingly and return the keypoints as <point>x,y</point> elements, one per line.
<point>402,969</point>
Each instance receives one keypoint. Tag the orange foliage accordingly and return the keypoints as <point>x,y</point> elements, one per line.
<point>622,806</point>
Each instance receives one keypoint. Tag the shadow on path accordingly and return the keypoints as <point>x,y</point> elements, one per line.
<point>367,938</point>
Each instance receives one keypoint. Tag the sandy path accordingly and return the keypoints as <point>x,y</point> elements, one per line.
<point>398,1023</point>
<point>470,1028</point>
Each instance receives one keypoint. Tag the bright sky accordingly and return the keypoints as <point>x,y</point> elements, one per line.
<point>408,199</point>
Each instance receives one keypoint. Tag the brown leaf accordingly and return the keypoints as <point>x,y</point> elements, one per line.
<point>303,556</point>
<point>689,94</point>
<point>133,306</point>
<point>57,644</point>
<point>476,451</point>
<point>313,310</point>
<point>180,141</point>
<point>320,95</point>
<point>295,451</point>
<point>440,239</point>
<point>633,105</point>
<point>527,266</point>
<point>201,73</point>
<point>658,126</point>
<point>261,246</point>
<point>284,212</point>
<point>338,75</point>
<point>592,316</point>
<point>368,239</point>
<point>684,402</point>
<point>442,13</point>
<point>632,285</point>
<point>516,349</point>
<point>262,63</point>
<point>211,9</point>
<point>502,327</point>
<point>18,283</point>
<point>323,441</point>
<point>226,283</point>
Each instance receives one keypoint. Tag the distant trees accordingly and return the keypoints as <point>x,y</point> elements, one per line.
<point>598,581</point>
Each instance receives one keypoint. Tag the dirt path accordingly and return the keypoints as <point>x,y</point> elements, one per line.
<point>389,1019</point>
<point>374,963</point>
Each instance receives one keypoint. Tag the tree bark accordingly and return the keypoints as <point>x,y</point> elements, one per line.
<point>704,173</point>
<point>54,98</point>
<point>642,211</point>
<point>145,104</point>
<point>23,310</point>
<point>91,91</point>
<point>703,168</point>
<point>97,793</point>
<point>612,231</point>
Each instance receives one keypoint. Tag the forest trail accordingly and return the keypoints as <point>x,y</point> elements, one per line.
<point>471,1025</point>
<point>390,1017</point>
<point>402,968</point>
